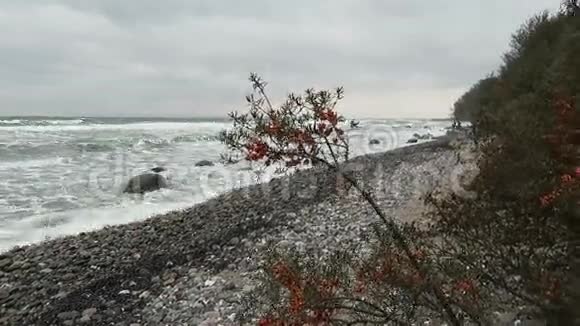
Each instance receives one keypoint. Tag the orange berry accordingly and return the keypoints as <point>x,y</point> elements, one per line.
<point>566,178</point>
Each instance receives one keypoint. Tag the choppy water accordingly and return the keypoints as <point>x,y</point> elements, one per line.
<point>64,176</point>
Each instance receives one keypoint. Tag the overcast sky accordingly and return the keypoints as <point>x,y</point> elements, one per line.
<point>395,58</point>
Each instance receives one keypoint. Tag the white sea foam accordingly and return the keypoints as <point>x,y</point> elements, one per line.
<point>20,165</point>
<point>40,227</point>
<point>63,179</point>
<point>10,122</point>
<point>201,126</point>
<point>40,122</point>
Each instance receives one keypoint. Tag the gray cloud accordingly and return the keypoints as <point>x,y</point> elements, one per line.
<point>395,58</point>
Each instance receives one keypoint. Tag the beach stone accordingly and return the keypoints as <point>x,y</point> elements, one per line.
<point>59,295</point>
<point>4,293</point>
<point>230,286</point>
<point>5,262</point>
<point>211,318</point>
<point>68,276</point>
<point>68,314</point>
<point>85,319</point>
<point>144,295</point>
<point>15,266</point>
<point>204,163</point>
<point>145,183</point>
<point>26,265</point>
<point>110,312</point>
<point>89,312</point>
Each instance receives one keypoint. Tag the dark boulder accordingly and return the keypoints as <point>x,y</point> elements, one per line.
<point>354,124</point>
<point>412,141</point>
<point>422,137</point>
<point>374,142</point>
<point>145,183</point>
<point>158,169</point>
<point>204,163</point>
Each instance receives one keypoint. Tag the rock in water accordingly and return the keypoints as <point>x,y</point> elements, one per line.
<point>158,169</point>
<point>412,141</point>
<point>422,137</point>
<point>204,163</point>
<point>374,142</point>
<point>354,124</point>
<point>145,183</point>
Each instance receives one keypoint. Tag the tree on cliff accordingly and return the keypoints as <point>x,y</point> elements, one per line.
<point>476,100</point>
<point>571,7</point>
<point>535,127</point>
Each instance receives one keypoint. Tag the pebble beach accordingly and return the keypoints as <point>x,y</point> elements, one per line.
<point>195,266</point>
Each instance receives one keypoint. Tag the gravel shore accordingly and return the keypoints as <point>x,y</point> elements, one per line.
<point>193,267</point>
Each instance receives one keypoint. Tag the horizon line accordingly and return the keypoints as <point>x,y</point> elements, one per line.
<point>194,117</point>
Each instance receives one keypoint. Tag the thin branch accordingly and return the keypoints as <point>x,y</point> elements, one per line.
<point>401,241</point>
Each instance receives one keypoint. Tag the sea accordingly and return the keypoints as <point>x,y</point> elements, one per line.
<point>62,176</point>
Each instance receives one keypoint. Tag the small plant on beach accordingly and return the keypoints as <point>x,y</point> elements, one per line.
<point>304,130</point>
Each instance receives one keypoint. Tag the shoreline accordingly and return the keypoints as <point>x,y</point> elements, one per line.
<point>118,271</point>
